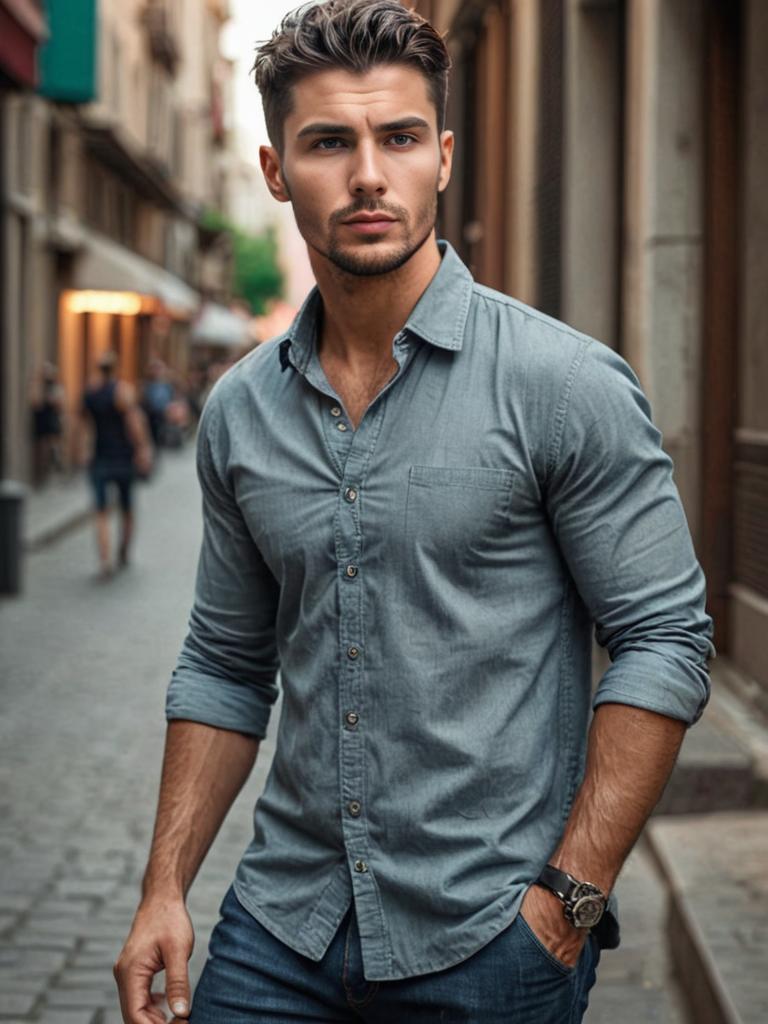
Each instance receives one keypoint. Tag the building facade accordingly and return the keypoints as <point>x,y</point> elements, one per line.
<point>111,152</point>
<point>610,167</point>
<point>22,30</point>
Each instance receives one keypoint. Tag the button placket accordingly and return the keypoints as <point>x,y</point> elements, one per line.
<point>351,580</point>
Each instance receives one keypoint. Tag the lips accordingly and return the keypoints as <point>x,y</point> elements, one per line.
<point>369,224</point>
<point>370,218</point>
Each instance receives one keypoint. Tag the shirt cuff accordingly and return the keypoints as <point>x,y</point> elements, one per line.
<point>221,703</point>
<point>667,683</point>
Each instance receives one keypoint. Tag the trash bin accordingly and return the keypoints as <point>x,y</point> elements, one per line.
<point>12,496</point>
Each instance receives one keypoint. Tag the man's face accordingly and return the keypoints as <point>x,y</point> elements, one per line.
<point>356,146</point>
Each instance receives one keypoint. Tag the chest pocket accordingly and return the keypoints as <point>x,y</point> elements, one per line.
<point>456,512</point>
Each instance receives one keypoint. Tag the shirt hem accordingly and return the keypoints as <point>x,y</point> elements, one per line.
<point>499,923</point>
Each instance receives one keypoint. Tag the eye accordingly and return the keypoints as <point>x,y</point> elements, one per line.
<point>401,139</point>
<point>327,144</point>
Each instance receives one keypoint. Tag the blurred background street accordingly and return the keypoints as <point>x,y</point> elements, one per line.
<point>610,169</point>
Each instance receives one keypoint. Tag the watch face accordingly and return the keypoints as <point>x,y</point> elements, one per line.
<point>587,911</point>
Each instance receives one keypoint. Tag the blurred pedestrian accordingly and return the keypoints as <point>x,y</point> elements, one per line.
<point>121,450</point>
<point>157,395</point>
<point>197,391</point>
<point>47,403</point>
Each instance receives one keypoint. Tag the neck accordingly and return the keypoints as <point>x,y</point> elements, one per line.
<point>361,315</point>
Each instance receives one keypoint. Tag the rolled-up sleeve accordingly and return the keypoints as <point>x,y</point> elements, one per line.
<point>620,526</point>
<point>226,672</point>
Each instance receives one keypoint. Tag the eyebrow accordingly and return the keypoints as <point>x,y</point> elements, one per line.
<point>321,128</point>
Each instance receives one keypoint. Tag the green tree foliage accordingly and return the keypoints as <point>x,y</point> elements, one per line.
<point>257,276</point>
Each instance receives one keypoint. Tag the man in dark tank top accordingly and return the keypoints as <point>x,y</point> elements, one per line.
<point>121,449</point>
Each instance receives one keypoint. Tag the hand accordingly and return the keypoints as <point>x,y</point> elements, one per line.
<point>143,459</point>
<point>543,913</point>
<point>161,938</point>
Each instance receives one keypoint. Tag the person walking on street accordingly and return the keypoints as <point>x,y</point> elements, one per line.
<point>121,449</point>
<point>157,396</point>
<point>417,501</point>
<point>47,402</point>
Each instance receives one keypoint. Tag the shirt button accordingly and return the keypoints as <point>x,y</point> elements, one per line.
<point>350,494</point>
<point>353,652</point>
<point>352,718</point>
<point>341,426</point>
<point>351,571</point>
<point>354,807</point>
<point>335,411</point>
<point>360,866</point>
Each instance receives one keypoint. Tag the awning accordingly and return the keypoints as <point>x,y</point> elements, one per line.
<point>105,265</point>
<point>217,325</point>
<point>22,28</point>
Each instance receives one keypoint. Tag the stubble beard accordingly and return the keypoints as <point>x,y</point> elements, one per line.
<point>368,263</point>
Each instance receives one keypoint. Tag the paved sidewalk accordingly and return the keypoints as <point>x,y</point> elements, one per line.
<point>53,509</point>
<point>716,866</point>
<point>85,666</point>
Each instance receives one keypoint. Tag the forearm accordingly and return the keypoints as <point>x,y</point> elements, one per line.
<point>630,756</point>
<point>136,427</point>
<point>81,440</point>
<point>203,771</point>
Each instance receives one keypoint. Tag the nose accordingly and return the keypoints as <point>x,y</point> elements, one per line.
<point>367,177</point>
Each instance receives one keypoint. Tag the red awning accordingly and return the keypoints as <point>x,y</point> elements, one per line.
<point>22,28</point>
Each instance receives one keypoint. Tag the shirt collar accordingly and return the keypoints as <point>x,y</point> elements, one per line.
<point>439,317</point>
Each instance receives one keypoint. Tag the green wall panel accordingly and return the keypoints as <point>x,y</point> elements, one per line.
<point>68,58</point>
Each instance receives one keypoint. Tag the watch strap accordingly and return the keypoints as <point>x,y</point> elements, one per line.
<point>558,882</point>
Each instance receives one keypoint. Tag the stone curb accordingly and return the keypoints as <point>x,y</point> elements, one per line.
<point>700,979</point>
<point>52,532</point>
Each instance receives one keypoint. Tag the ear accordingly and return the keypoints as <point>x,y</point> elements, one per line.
<point>273,174</point>
<point>446,160</point>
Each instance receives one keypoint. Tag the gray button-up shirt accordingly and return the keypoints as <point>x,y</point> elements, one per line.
<point>427,585</point>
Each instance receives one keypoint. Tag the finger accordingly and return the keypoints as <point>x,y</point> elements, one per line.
<point>135,999</point>
<point>177,982</point>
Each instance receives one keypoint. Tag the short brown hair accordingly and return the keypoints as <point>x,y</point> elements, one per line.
<point>353,35</point>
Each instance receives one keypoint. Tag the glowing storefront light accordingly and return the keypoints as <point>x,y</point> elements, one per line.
<point>117,303</point>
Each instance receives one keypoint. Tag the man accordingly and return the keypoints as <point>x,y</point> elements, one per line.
<point>415,503</point>
<point>156,397</point>
<point>121,447</point>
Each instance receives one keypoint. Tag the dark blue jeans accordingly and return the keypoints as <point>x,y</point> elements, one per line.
<point>251,976</point>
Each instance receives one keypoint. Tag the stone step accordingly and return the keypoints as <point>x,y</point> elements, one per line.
<point>714,772</point>
<point>723,764</point>
<point>715,869</point>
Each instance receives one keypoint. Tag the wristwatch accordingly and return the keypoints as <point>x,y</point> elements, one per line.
<point>583,902</point>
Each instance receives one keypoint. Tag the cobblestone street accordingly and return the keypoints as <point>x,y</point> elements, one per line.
<point>84,669</point>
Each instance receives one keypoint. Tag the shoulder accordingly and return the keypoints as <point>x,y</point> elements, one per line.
<point>125,395</point>
<point>235,397</point>
<point>255,371</point>
<point>524,332</point>
<point>536,356</point>
<point>554,351</point>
